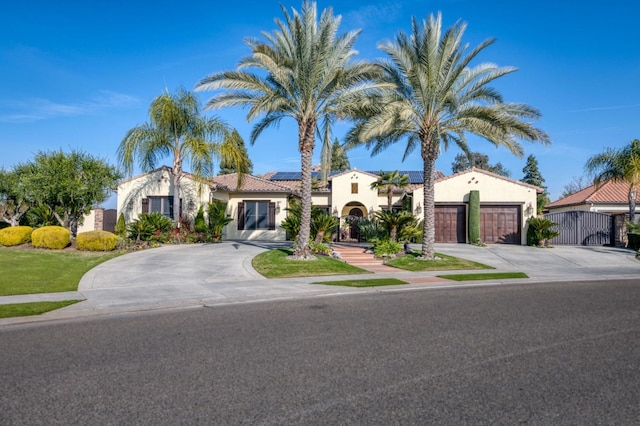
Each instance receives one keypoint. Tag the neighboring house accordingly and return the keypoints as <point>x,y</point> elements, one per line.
<point>258,206</point>
<point>610,199</point>
<point>98,219</point>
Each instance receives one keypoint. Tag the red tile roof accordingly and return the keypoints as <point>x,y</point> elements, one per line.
<point>609,192</point>
<point>249,184</point>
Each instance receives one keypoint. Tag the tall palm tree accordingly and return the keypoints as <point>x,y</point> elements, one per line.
<point>305,72</point>
<point>176,128</point>
<point>388,181</point>
<point>621,165</point>
<point>438,99</point>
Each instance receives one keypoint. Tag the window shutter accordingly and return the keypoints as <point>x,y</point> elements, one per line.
<point>145,205</point>
<point>240,216</point>
<point>271,222</point>
<point>180,207</point>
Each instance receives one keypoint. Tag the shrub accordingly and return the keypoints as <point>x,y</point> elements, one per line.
<point>540,230</point>
<point>218,218</point>
<point>51,237</point>
<point>121,226</point>
<point>199,224</point>
<point>15,235</point>
<point>96,241</point>
<point>150,226</point>
<point>320,248</point>
<point>474,217</point>
<point>387,248</point>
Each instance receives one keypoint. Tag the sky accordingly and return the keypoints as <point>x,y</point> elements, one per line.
<point>80,74</point>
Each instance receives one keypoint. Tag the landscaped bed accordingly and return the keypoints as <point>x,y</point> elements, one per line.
<point>410,262</point>
<point>274,264</point>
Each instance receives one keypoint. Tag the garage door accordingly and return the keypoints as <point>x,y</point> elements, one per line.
<point>500,224</point>
<point>450,224</point>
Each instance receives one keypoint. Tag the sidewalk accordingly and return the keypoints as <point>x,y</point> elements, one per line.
<point>214,274</point>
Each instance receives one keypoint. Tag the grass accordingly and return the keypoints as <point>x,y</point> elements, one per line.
<point>410,262</point>
<point>484,276</point>
<point>35,308</point>
<point>45,271</point>
<point>364,283</point>
<point>274,264</point>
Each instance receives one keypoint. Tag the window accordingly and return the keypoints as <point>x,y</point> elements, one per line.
<point>354,188</point>
<point>163,205</point>
<point>254,215</point>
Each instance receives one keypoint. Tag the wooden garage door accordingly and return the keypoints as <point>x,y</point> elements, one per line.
<point>450,224</point>
<point>500,224</point>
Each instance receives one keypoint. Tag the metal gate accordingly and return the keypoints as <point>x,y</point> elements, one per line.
<point>582,228</point>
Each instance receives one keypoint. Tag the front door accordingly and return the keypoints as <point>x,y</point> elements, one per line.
<point>356,214</point>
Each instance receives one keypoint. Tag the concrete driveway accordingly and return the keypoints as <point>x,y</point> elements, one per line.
<point>212,274</point>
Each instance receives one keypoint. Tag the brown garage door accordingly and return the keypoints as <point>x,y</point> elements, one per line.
<point>450,224</point>
<point>500,224</point>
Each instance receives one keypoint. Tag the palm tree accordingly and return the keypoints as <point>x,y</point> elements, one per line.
<point>438,98</point>
<point>305,72</point>
<point>388,181</point>
<point>394,221</point>
<point>621,165</point>
<point>177,129</point>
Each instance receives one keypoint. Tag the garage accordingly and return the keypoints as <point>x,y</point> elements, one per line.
<point>500,224</point>
<point>450,223</point>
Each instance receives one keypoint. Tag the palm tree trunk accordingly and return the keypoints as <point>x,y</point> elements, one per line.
<point>176,173</point>
<point>302,244</point>
<point>389,197</point>
<point>306,139</point>
<point>632,203</point>
<point>428,230</point>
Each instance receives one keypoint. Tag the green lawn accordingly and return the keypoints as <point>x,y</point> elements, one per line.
<point>274,264</point>
<point>444,263</point>
<point>45,271</point>
<point>375,282</point>
<point>35,308</point>
<point>485,276</point>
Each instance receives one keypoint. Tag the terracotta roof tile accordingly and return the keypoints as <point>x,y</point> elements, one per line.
<point>249,184</point>
<point>609,192</point>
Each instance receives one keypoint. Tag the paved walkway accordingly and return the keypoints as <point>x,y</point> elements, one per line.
<point>212,274</point>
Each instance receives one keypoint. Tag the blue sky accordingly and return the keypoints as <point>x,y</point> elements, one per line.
<point>79,74</point>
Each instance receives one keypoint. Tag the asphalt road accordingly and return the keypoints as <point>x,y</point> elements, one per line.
<point>541,354</point>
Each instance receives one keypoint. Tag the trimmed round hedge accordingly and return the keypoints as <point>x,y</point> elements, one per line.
<point>15,235</point>
<point>96,241</point>
<point>51,237</point>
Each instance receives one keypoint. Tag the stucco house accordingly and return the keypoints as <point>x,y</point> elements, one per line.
<point>259,204</point>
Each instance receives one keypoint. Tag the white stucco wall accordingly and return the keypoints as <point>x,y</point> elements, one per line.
<point>159,183</point>
<point>231,231</point>
<point>341,192</point>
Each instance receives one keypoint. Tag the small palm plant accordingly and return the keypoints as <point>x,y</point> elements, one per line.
<point>322,226</point>
<point>218,218</point>
<point>394,221</point>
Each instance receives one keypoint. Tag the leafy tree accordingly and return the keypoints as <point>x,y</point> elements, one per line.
<point>69,184</point>
<point>12,201</point>
<point>577,183</point>
<point>339,159</point>
<point>228,167</point>
<point>388,181</point>
<point>621,165</point>
<point>532,176</point>
<point>177,129</point>
<point>305,72</point>
<point>479,160</point>
<point>435,100</point>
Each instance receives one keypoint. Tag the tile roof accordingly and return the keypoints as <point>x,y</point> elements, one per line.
<point>249,184</point>
<point>609,192</point>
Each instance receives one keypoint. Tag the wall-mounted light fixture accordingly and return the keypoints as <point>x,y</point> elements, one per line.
<point>277,207</point>
<point>335,211</point>
<point>528,211</point>
<point>418,208</point>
